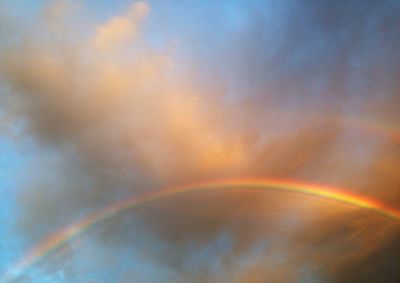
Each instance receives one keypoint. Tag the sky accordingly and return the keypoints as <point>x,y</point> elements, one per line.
<point>103,102</point>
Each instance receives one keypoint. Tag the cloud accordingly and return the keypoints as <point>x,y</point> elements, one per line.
<point>120,30</point>
<point>112,115</point>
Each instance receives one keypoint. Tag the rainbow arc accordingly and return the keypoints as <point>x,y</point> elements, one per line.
<point>70,232</point>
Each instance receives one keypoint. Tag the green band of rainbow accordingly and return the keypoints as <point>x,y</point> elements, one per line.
<point>68,233</point>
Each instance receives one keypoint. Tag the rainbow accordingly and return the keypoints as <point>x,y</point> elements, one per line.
<point>372,127</point>
<point>364,124</point>
<point>70,232</point>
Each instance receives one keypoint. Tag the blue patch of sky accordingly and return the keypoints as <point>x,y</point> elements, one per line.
<point>209,257</point>
<point>13,161</point>
<point>22,10</point>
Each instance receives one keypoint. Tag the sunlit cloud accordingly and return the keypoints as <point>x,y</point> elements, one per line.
<point>117,105</point>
